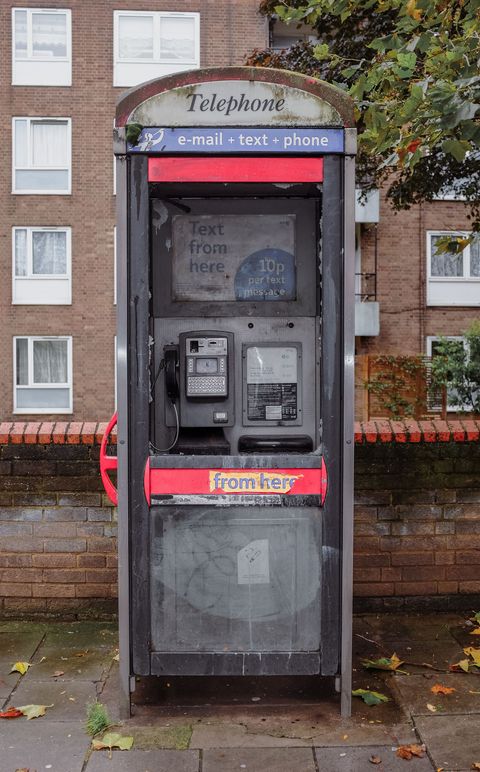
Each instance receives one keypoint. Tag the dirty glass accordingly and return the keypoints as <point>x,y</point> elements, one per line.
<point>235,579</point>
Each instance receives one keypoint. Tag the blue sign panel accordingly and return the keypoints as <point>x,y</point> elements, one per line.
<point>237,141</point>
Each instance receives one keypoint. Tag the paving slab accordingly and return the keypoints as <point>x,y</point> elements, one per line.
<point>412,627</point>
<point>69,699</point>
<point>358,760</point>
<point>75,664</point>
<point>82,635</point>
<point>40,745</point>
<point>415,693</point>
<point>259,760</point>
<point>15,646</point>
<point>144,761</point>
<point>452,741</point>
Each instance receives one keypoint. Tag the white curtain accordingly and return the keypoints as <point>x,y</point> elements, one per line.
<point>475,257</point>
<point>49,252</point>
<point>177,38</point>
<point>446,263</point>
<point>20,253</point>
<point>20,34</point>
<point>49,143</point>
<point>50,361</point>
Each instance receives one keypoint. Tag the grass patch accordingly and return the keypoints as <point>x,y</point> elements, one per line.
<point>97,718</point>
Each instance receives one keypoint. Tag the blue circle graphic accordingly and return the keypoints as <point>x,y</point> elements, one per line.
<point>268,274</point>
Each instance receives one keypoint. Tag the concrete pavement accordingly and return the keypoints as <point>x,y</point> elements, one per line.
<point>257,725</point>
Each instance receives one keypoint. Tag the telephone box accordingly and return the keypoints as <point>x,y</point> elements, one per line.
<point>235,255</point>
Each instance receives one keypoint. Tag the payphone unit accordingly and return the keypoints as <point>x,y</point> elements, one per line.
<point>235,343</point>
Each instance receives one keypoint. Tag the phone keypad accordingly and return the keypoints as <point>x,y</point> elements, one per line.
<point>199,386</point>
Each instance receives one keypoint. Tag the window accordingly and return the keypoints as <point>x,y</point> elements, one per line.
<point>453,399</point>
<point>150,44</point>
<point>43,374</point>
<point>114,265</point>
<point>453,279</point>
<point>41,155</point>
<point>41,47</point>
<point>41,266</point>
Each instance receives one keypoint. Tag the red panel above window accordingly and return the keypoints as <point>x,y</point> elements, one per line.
<point>215,169</point>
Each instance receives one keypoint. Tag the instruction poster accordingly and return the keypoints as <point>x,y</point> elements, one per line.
<point>234,257</point>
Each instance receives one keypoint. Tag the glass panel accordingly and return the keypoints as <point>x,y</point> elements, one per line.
<point>50,361</point>
<point>243,581</point>
<point>234,257</point>
<point>53,179</point>
<point>55,399</point>
<point>20,34</point>
<point>49,252</point>
<point>49,35</point>
<point>49,143</point>
<point>135,37</point>
<point>20,253</point>
<point>22,361</point>
<point>21,143</point>
<point>446,263</point>
<point>475,257</point>
<point>177,38</point>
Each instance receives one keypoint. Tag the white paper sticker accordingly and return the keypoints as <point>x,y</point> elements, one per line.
<point>273,412</point>
<point>253,563</point>
<point>271,365</point>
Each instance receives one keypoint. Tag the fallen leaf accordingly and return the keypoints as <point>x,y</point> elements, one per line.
<point>81,653</point>
<point>474,654</point>
<point>345,736</point>
<point>431,707</point>
<point>112,740</point>
<point>116,657</point>
<point>476,631</point>
<point>20,667</point>
<point>384,663</point>
<point>370,698</point>
<point>33,711</point>
<point>58,673</point>
<point>375,760</point>
<point>11,713</point>
<point>464,664</point>
<point>476,765</point>
<point>470,691</point>
<point>408,751</point>
<point>476,617</point>
<point>440,689</point>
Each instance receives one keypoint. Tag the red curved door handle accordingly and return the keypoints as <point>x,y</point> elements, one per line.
<point>108,462</point>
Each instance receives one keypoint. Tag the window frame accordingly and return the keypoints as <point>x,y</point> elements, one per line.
<point>33,277</point>
<point>30,371</point>
<point>64,63</point>
<point>157,17</point>
<point>32,119</point>
<point>465,253</point>
<point>430,340</point>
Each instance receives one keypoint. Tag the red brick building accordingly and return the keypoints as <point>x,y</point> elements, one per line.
<point>64,64</point>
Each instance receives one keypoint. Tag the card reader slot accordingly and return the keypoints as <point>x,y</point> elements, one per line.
<point>275,443</point>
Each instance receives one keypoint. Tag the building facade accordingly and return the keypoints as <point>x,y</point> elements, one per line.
<point>63,66</point>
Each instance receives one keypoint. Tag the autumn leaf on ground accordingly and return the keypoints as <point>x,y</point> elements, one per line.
<point>476,765</point>
<point>474,654</point>
<point>384,663</point>
<point>58,673</point>
<point>431,708</point>
<point>370,698</point>
<point>476,617</point>
<point>409,751</point>
<point>34,711</point>
<point>464,664</point>
<point>112,740</point>
<point>476,631</point>
<point>375,760</point>
<point>440,689</point>
<point>20,667</point>
<point>11,713</point>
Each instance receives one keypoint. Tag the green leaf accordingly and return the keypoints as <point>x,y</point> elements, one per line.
<point>370,698</point>
<point>383,663</point>
<point>20,667</point>
<point>456,148</point>
<point>321,51</point>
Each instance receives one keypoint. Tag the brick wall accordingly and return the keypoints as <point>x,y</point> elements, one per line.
<point>417,518</point>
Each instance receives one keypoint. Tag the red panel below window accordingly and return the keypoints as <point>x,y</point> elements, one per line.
<point>236,169</point>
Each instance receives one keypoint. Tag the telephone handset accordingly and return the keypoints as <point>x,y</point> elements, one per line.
<point>171,375</point>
